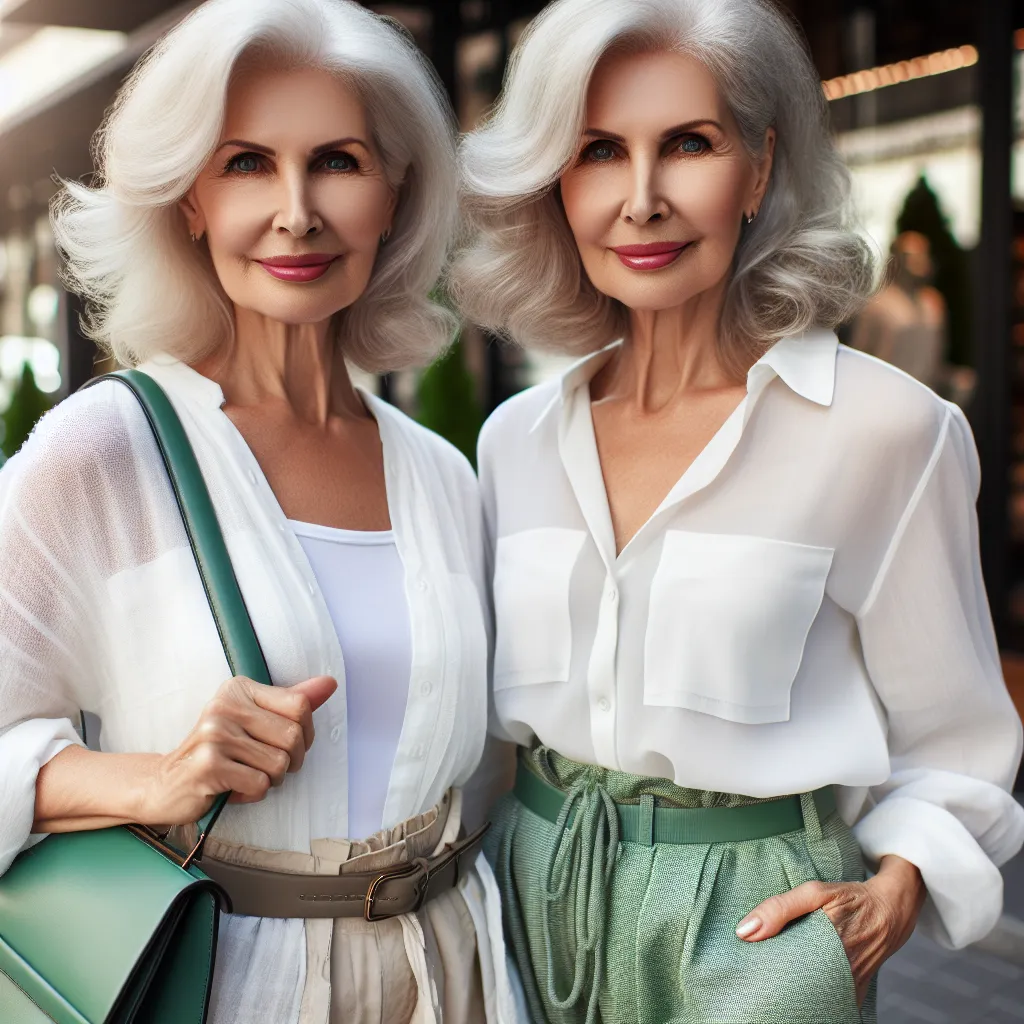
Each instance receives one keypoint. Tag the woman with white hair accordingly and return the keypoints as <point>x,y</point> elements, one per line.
<point>741,633</point>
<point>276,195</point>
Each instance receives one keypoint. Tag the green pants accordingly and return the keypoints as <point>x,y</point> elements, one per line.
<point>637,933</point>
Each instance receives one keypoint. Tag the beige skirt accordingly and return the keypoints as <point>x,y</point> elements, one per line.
<point>419,968</point>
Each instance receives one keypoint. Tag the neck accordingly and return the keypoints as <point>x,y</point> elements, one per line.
<point>298,364</point>
<point>908,283</point>
<point>668,353</point>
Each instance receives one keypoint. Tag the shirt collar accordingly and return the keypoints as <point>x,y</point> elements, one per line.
<point>179,377</point>
<point>576,376</point>
<point>806,364</point>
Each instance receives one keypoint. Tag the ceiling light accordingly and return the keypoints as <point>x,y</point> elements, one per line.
<point>48,59</point>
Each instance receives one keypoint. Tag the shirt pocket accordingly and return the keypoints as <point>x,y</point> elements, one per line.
<point>728,620</point>
<point>533,627</point>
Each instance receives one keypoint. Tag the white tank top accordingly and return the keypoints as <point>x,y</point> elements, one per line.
<point>363,582</point>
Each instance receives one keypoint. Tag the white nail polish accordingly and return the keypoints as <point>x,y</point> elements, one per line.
<point>748,927</point>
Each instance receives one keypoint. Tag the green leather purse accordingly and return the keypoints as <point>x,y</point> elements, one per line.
<point>114,926</point>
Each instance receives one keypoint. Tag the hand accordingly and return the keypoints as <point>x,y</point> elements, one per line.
<point>247,738</point>
<point>873,918</point>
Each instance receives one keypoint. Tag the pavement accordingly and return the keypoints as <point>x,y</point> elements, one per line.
<point>925,984</point>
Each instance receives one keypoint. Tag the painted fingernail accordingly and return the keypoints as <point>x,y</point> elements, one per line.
<point>748,927</point>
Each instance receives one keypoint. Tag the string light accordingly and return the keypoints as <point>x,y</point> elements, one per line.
<point>905,70</point>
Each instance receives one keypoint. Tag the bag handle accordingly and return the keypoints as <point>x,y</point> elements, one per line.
<point>237,636</point>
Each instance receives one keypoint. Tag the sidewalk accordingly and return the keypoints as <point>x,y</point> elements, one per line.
<point>924,984</point>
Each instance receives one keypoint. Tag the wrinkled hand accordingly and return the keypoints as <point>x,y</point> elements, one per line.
<point>247,738</point>
<point>873,918</point>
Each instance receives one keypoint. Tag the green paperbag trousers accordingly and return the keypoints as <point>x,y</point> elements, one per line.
<point>610,932</point>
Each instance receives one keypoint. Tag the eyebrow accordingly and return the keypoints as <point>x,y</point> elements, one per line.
<point>679,129</point>
<point>317,151</point>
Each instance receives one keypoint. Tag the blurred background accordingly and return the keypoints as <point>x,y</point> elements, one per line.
<point>926,104</point>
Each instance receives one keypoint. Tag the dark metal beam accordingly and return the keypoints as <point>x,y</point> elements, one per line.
<point>991,409</point>
<point>78,352</point>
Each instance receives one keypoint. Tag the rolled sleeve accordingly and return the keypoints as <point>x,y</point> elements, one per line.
<point>23,751</point>
<point>954,736</point>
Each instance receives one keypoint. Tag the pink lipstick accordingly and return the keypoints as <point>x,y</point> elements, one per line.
<point>298,268</point>
<point>652,256</point>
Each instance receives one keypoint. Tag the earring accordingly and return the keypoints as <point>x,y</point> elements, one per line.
<point>193,236</point>
<point>385,235</point>
<point>751,216</point>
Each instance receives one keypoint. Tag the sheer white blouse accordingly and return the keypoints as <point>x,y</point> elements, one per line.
<point>102,609</point>
<point>805,607</point>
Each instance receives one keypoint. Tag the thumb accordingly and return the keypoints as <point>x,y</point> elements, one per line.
<point>771,916</point>
<point>317,689</point>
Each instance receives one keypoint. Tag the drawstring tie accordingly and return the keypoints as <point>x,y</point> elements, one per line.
<point>578,877</point>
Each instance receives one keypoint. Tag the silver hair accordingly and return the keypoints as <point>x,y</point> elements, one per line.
<point>149,289</point>
<point>799,264</point>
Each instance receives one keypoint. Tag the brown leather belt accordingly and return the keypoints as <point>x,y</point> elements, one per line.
<point>373,895</point>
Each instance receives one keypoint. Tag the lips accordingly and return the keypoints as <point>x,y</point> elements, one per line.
<point>307,267</point>
<point>651,256</point>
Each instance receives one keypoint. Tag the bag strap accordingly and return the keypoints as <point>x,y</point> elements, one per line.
<point>237,636</point>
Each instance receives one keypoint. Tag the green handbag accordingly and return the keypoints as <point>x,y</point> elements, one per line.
<point>114,926</point>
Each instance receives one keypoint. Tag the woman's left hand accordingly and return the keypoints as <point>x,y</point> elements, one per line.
<point>873,918</point>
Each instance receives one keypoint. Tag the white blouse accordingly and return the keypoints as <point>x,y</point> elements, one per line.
<point>804,607</point>
<point>102,609</point>
<point>361,577</point>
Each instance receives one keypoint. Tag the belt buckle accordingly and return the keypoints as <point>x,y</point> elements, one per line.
<point>407,871</point>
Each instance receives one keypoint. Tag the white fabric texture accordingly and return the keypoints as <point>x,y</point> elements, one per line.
<point>102,609</point>
<point>361,578</point>
<point>805,607</point>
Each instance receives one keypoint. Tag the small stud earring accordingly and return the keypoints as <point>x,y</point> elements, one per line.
<point>751,216</point>
<point>385,235</point>
<point>193,236</point>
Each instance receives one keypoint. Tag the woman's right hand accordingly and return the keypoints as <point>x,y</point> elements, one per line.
<point>248,737</point>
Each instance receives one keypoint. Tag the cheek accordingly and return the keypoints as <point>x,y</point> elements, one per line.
<point>590,204</point>
<point>355,210</point>
<point>235,219</point>
<point>709,197</point>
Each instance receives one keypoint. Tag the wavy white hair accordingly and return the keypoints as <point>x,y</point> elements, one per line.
<point>149,289</point>
<point>799,264</point>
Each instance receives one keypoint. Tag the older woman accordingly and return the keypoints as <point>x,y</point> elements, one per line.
<point>276,193</point>
<point>742,635</point>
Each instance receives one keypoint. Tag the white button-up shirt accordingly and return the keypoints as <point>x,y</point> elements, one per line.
<point>805,607</point>
<point>102,609</point>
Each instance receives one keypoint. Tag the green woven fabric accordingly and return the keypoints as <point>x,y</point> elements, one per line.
<point>609,932</point>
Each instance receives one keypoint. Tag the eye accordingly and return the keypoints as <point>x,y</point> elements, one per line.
<point>694,145</point>
<point>599,152</point>
<point>244,163</point>
<point>339,162</point>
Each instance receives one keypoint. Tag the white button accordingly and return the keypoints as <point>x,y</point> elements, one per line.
<point>252,476</point>
<point>336,734</point>
<point>426,689</point>
<point>422,586</point>
<point>603,704</point>
<point>280,526</point>
<point>612,594</point>
<point>417,752</point>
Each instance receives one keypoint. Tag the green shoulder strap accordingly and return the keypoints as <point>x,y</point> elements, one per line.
<point>241,647</point>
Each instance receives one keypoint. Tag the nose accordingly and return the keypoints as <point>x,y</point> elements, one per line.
<point>645,201</point>
<point>296,212</point>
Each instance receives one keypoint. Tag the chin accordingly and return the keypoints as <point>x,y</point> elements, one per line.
<point>651,300</point>
<point>296,312</point>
